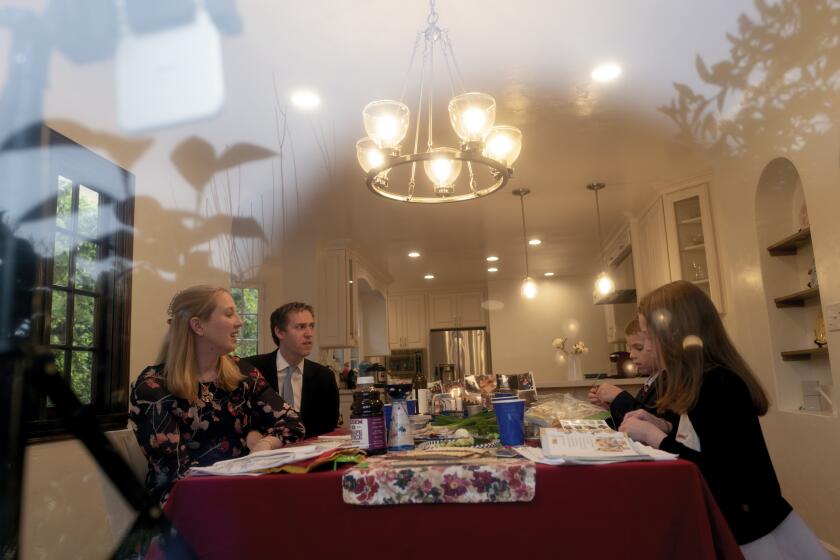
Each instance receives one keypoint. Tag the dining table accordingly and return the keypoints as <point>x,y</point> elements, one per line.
<point>648,509</point>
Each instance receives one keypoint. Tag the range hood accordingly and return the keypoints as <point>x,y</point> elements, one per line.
<point>619,259</point>
<point>618,296</point>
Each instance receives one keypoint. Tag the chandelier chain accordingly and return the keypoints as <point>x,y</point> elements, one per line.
<point>430,141</point>
<point>447,46</point>
<point>411,65</point>
<point>432,18</point>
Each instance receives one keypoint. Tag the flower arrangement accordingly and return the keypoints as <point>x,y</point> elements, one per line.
<point>578,347</point>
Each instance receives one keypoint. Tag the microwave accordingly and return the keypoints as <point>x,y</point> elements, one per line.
<point>406,362</point>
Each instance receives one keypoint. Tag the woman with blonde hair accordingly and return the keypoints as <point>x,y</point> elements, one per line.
<point>199,405</point>
<point>707,383</point>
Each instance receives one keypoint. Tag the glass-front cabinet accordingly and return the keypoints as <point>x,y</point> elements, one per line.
<point>691,240</point>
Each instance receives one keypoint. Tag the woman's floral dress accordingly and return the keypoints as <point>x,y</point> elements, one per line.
<point>176,434</point>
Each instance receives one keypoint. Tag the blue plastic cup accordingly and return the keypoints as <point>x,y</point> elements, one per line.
<point>387,408</point>
<point>510,417</point>
<point>412,407</point>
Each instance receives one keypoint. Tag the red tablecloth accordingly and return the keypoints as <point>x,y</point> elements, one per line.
<point>626,510</point>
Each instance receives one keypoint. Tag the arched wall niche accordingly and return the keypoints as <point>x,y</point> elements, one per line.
<point>802,370</point>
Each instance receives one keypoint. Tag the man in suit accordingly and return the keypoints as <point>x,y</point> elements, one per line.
<point>307,386</point>
<point>621,402</point>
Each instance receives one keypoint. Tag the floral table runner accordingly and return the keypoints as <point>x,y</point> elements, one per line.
<point>396,480</point>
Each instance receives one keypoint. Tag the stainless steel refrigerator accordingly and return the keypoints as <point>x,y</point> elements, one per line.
<point>467,351</point>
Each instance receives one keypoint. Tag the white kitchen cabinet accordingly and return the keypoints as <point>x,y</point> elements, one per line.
<point>456,309</point>
<point>650,250</point>
<point>407,321</point>
<point>337,299</point>
<point>351,308</point>
<point>692,253</point>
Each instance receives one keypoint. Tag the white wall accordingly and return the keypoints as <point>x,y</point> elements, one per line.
<point>804,448</point>
<point>521,330</point>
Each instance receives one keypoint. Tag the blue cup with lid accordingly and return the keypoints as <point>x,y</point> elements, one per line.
<point>510,418</point>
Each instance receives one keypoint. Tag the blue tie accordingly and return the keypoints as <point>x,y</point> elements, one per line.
<point>289,393</point>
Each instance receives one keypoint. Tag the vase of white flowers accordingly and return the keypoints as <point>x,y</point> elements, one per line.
<point>571,357</point>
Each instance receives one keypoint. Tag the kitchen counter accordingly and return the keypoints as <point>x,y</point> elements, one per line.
<point>618,382</point>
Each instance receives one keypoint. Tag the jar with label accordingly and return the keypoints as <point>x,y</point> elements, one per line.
<point>367,419</point>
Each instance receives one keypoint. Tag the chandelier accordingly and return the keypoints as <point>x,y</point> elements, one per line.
<point>486,150</point>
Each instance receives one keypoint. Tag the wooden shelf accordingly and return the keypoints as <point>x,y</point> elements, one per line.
<point>797,299</point>
<point>696,220</point>
<point>807,354</point>
<point>693,247</point>
<point>790,244</point>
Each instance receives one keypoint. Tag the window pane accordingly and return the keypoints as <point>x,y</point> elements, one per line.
<point>88,211</point>
<point>249,326</point>
<point>58,317</point>
<point>83,314</point>
<point>86,265</point>
<point>236,294</point>
<point>64,203</point>
<point>252,300</point>
<point>59,360</point>
<point>246,348</point>
<point>81,366</point>
<point>61,259</point>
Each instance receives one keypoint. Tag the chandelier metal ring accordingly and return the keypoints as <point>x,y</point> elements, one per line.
<point>378,184</point>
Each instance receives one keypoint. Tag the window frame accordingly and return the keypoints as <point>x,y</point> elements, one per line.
<point>112,321</point>
<point>259,313</point>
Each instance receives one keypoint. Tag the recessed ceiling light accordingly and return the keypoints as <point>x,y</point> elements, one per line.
<point>429,277</point>
<point>534,242</point>
<point>606,72</point>
<point>548,274</point>
<point>306,99</point>
<point>492,258</point>
<point>492,269</point>
<point>414,254</point>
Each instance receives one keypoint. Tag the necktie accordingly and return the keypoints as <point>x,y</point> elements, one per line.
<point>289,393</point>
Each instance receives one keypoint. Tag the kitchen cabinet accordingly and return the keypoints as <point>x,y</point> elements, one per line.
<point>674,239</point>
<point>692,253</point>
<point>350,306</point>
<point>456,309</point>
<point>337,299</point>
<point>650,250</point>
<point>407,321</point>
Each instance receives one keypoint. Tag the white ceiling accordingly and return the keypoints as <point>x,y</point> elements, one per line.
<point>534,56</point>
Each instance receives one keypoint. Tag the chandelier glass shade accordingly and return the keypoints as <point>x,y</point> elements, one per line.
<point>480,165</point>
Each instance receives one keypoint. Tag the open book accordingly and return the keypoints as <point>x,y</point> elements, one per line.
<point>588,441</point>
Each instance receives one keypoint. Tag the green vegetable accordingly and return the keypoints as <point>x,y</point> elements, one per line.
<point>483,423</point>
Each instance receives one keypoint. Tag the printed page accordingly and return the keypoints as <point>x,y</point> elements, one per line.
<point>591,445</point>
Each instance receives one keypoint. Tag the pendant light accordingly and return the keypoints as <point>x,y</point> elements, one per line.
<point>529,287</point>
<point>604,284</point>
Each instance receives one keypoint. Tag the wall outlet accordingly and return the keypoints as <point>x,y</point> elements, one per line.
<point>832,317</point>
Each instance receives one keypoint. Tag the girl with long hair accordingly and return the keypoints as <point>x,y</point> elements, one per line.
<point>199,405</point>
<point>718,399</point>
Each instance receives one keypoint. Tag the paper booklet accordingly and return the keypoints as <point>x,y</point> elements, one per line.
<point>588,441</point>
<point>259,463</point>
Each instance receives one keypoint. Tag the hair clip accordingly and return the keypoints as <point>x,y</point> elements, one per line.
<point>692,340</point>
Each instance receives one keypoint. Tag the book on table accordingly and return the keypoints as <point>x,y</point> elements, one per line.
<point>588,441</point>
